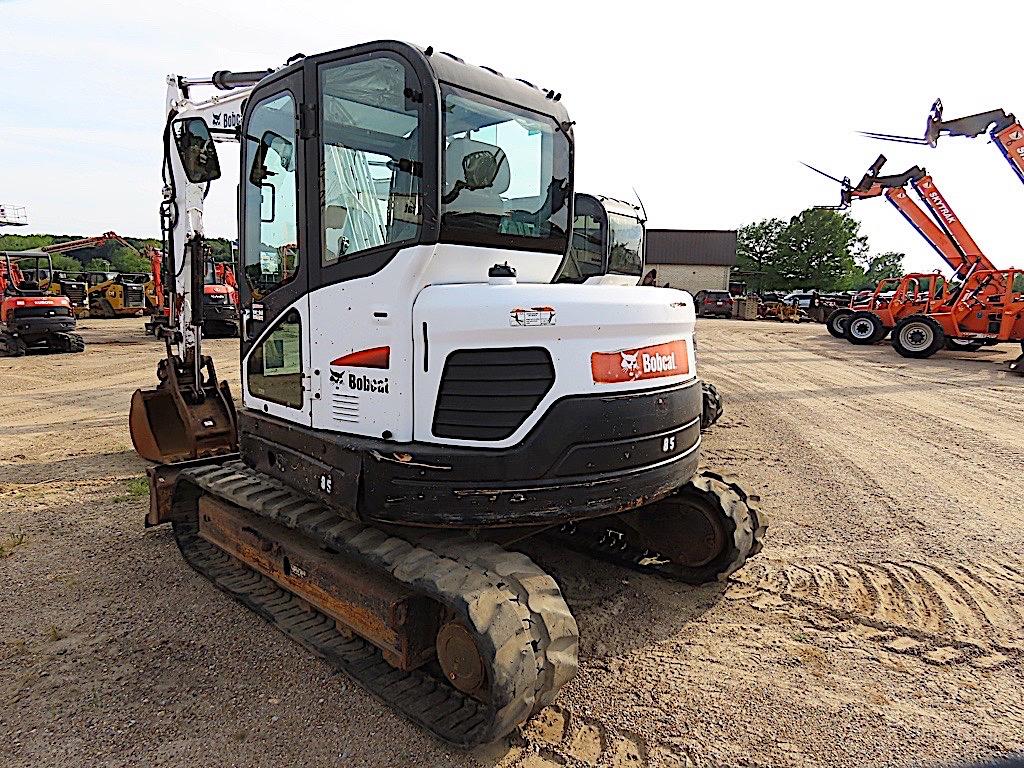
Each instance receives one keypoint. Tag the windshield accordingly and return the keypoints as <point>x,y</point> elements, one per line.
<point>627,235</point>
<point>505,176</point>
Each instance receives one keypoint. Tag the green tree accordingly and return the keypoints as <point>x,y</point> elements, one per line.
<point>97,265</point>
<point>24,242</point>
<point>819,248</point>
<point>888,264</point>
<point>757,250</point>
<point>129,260</point>
<point>66,263</point>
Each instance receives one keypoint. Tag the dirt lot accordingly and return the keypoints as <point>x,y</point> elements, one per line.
<point>884,624</point>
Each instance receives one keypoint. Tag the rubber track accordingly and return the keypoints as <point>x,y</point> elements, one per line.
<point>11,346</point>
<point>71,342</point>
<point>523,626</point>
<point>746,519</point>
<point>711,405</point>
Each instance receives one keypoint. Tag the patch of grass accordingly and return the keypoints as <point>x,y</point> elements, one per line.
<point>136,488</point>
<point>55,634</point>
<point>11,543</point>
<point>20,648</point>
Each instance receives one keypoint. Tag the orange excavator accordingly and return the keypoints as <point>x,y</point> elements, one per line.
<point>941,228</point>
<point>220,298</point>
<point>1003,128</point>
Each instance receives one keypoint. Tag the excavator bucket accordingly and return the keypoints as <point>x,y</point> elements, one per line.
<point>1017,366</point>
<point>177,421</point>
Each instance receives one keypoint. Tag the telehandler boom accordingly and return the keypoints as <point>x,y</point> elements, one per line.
<point>1003,128</point>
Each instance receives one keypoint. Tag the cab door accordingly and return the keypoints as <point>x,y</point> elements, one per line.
<point>274,282</point>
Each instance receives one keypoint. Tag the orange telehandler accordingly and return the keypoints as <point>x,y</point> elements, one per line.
<point>1006,133</point>
<point>988,308</point>
<point>893,299</point>
<point>941,228</point>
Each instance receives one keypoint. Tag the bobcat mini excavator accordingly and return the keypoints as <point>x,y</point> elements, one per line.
<point>417,396</point>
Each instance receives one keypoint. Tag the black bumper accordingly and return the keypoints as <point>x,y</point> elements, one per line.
<point>36,330</point>
<point>220,319</point>
<point>589,456</point>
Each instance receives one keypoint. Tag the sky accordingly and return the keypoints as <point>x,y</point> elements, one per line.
<point>705,109</point>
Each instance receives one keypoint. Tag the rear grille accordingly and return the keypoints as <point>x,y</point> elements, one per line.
<point>75,293</point>
<point>133,295</point>
<point>486,394</point>
<point>21,313</point>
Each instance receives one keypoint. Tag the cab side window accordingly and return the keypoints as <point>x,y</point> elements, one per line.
<point>274,369</point>
<point>586,250</point>
<point>271,256</point>
<point>371,169</point>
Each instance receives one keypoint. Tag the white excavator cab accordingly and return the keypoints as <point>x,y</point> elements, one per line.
<point>607,244</point>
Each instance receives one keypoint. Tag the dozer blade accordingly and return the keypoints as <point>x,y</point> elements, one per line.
<point>174,423</point>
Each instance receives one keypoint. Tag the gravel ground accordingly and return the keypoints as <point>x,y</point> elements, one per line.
<point>883,625</point>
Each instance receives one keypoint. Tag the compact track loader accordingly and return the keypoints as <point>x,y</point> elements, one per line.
<point>417,395</point>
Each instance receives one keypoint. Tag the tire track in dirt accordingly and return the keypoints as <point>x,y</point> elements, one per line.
<point>966,429</point>
<point>974,606</point>
<point>558,735</point>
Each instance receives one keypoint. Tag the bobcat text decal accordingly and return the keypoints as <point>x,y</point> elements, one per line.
<point>667,359</point>
<point>377,357</point>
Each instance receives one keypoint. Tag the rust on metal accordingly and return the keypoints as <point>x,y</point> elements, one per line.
<point>460,659</point>
<point>163,479</point>
<point>366,601</point>
<point>173,422</point>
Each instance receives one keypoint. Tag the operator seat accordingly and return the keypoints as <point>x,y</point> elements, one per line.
<point>30,288</point>
<point>487,200</point>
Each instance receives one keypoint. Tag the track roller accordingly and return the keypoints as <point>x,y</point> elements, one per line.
<point>464,638</point>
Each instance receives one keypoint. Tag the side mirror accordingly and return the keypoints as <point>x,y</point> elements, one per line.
<point>284,150</point>
<point>196,150</point>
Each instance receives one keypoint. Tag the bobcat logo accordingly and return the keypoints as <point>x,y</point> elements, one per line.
<point>630,364</point>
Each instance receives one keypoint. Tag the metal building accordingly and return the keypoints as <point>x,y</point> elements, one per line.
<point>692,259</point>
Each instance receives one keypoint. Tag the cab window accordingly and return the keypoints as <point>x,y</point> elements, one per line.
<point>274,369</point>
<point>372,169</point>
<point>271,256</point>
<point>586,249</point>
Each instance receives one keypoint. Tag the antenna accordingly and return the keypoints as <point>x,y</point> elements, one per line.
<point>642,208</point>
